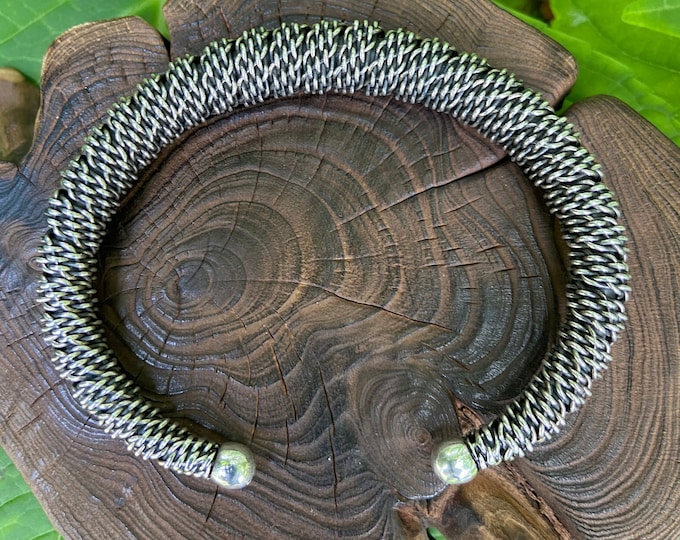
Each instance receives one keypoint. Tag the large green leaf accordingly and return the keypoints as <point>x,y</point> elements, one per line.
<point>21,517</point>
<point>624,48</point>
<point>656,15</point>
<point>27,27</point>
<point>434,534</point>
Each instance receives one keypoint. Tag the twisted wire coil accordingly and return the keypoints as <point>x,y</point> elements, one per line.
<point>332,56</point>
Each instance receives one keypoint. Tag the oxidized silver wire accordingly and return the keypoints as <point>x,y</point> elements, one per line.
<point>332,57</point>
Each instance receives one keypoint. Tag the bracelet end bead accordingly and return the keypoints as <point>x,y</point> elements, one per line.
<point>453,463</point>
<point>234,466</point>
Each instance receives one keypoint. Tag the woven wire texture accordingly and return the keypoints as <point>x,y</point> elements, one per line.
<point>344,58</point>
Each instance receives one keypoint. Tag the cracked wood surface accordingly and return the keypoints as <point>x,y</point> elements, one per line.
<point>340,283</point>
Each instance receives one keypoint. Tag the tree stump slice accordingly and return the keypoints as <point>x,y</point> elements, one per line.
<point>338,282</point>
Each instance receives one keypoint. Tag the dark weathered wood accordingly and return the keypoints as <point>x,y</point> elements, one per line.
<point>471,26</point>
<point>340,282</point>
<point>84,72</point>
<point>19,100</point>
<point>615,472</point>
<point>499,503</point>
<point>82,484</point>
<point>323,281</point>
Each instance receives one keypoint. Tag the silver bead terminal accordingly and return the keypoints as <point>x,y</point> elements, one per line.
<point>453,463</point>
<point>234,466</point>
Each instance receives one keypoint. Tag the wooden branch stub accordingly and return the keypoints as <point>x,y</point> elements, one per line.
<point>19,101</point>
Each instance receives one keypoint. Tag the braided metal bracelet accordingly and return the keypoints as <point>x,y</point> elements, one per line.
<point>332,57</point>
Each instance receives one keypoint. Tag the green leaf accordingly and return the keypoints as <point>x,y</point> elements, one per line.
<point>637,64</point>
<point>656,15</point>
<point>21,517</point>
<point>27,27</point>
<point>434,534</point>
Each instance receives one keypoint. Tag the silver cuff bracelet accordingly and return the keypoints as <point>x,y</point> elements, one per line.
<point>345,58</point>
